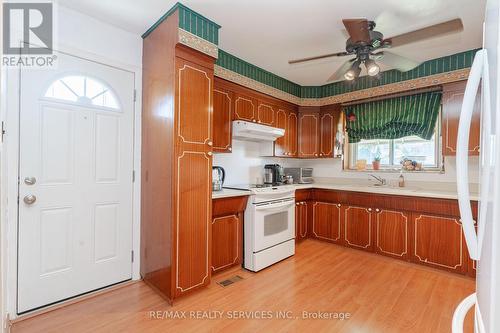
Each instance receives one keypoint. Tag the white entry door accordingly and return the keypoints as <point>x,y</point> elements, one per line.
<point>75,180</point>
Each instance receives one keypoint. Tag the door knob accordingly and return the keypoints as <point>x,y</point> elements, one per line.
<point>29,199</point>
<point>29,180</point>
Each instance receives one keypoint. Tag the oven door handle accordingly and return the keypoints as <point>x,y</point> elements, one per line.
<point>275,206</point>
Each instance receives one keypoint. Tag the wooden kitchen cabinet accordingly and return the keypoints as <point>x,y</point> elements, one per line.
<point>227,232</point>
<point>328,120</point>
<point>266,114</point>
<point>358,227</point>
<point>308,136</point>
<point>222,120</point>
<point>301,220</point>
<point>281,144</point>
<point>391,233</point>
<point>292,136</point>
<point>245,107</point>
<point>176,163</point>
<point>453,94</point>
<point>327,221</point>
<point>439,242</point>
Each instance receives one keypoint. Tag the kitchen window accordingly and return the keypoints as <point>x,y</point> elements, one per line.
<point>391,152</point>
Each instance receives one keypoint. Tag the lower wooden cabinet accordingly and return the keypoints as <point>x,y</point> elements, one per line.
<point>227,232</point>
<point>227,241</point>
<point>391,233</point>
<point>327,221</point>
<point>301,220</point>
<point>358,227</point>
<point>439,242</point>
<point>425,231</point>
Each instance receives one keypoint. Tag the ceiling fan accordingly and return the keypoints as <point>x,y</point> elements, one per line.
<point>363,41</point>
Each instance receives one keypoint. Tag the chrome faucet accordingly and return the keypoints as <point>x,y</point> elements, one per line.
<point>382,181</point>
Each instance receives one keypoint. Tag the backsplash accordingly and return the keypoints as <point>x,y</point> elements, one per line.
<point>244,165</point>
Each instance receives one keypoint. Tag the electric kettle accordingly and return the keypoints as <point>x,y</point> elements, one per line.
<point>218,176</point>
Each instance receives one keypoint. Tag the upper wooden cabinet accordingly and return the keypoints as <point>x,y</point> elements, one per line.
<point>280,145</point>
<point>292,135</point>
<point>453,94</point>
<point>309,134</point>
<point>266,114</point>
<point>222,118</point>
<point>245,107</point>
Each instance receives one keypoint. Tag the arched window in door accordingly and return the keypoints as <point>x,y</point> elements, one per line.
<point>82,90</point>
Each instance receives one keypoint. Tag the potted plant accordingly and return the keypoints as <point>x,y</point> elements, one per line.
<point>376,162</point>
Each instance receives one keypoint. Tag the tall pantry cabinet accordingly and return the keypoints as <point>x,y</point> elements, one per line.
<point>176,162</point>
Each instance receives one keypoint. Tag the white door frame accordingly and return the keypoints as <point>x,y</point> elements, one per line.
<point>10,171</point>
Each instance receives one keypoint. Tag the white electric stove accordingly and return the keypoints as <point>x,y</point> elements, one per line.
<point>269,227</point>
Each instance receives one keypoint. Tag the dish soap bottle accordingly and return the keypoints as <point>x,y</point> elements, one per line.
<point>401,180</point>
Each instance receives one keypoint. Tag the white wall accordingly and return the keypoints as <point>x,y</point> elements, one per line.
<point>86,37</point>
<point>243,165</point>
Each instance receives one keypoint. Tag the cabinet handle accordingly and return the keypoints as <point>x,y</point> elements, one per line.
<point>209,153</point>
<point>259,121</point>
<point>339,205</point>
<point>298,203</point>
<point>377,210</point>
<point>254,121</point>
<point>230,149</point>
<point>320,154</point>
<point>315,154</point>
<point>210,143</point>
<point>369,209</point>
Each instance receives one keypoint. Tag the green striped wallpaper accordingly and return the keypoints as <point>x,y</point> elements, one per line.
<point>244,68</point>
<point>435,66</point>
<point>191,21</point>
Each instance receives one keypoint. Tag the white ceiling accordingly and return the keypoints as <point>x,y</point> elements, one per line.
<point>268,33</point>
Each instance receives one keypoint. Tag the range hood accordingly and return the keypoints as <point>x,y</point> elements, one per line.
<point>248,131</point>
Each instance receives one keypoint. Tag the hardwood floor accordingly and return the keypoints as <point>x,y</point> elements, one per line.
<point>379,293</point>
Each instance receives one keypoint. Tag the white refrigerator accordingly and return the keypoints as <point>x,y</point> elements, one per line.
<point>483,239</point>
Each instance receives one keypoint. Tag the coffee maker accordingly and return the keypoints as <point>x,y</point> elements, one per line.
<point>273,174</point>
<point>218,176</point>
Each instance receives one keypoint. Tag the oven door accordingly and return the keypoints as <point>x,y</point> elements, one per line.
<point>274,223</point>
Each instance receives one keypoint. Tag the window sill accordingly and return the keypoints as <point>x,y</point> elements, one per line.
<point>396,171</point>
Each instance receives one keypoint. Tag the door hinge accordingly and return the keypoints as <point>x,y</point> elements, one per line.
<point>3,130</point>
<point>132,255</point>
<point>135,95</point>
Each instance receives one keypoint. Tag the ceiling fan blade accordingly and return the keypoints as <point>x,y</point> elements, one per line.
<point>432,31</point>
<point>339,73</point>
<point>395,61</point>
<point>338,54</point>
<point>357,29</point>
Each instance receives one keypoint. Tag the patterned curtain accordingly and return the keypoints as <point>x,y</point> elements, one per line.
<point>394,118</point>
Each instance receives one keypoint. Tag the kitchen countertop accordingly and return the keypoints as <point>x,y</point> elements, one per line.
<point>413,191</point>
<point>227,193</point>
<point>416,189</point>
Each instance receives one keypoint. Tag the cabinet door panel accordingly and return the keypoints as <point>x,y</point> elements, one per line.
<point>266,114</point>
<point>280,145</point>
<point>226,241</point>
<point>392,233</point>
<point>439,242</point>
<point>292,135</point>
<point>245,108</point>
<point>222,120</point>
<point>326,221</point>
<point>301,220</point>
<point>308,135</point>
<point>453,96</point>
<point>192,180</point>
<point>358,227</point>
<point>327,130</point>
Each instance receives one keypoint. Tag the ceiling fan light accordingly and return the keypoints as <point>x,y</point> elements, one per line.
<point>353,72</point>
<point>371,67</point>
